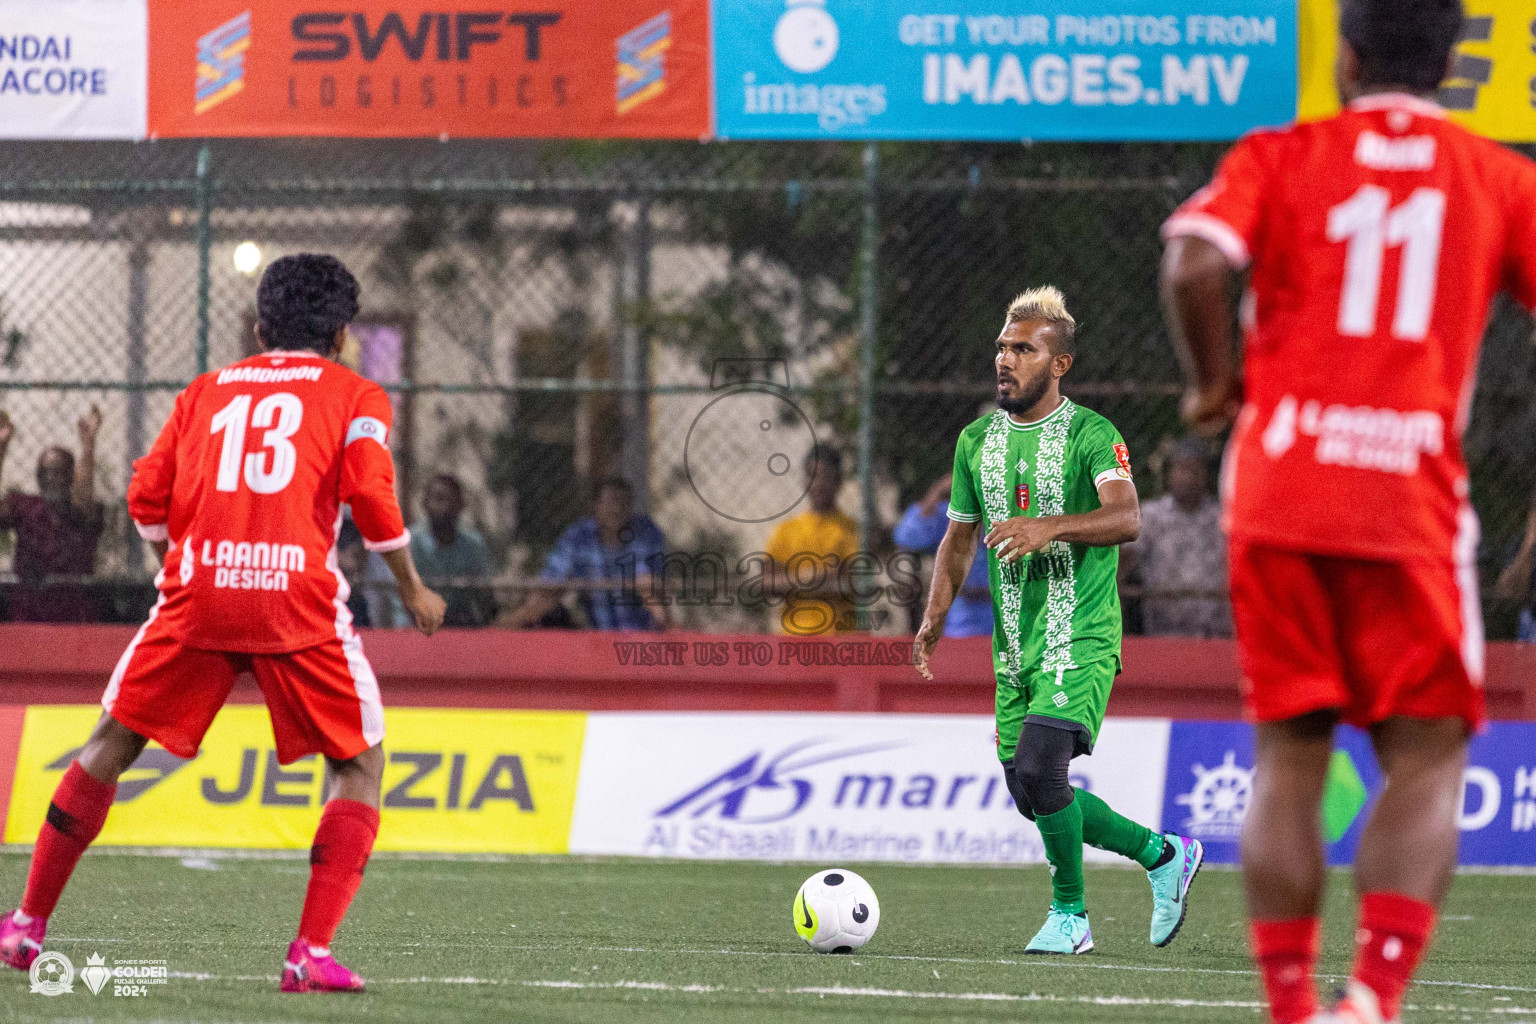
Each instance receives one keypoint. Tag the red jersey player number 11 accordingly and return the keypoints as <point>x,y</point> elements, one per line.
<point>1375,241</point>
<point>242,495</point>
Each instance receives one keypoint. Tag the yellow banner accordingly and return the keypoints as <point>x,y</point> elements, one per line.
<point>456,781</point>
<point>1492,89</point>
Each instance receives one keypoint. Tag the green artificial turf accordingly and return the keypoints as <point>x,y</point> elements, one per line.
<point>554,939</point>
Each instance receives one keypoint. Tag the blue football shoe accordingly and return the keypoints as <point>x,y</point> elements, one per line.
<point>1170,887</point>
<point>1062,933</point>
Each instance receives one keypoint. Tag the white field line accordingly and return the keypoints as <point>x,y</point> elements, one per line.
<point>838,990</point>
<point>1046,963</point>
<point>593,858</point>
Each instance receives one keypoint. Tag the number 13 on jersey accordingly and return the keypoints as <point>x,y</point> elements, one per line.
<point>280,414</point>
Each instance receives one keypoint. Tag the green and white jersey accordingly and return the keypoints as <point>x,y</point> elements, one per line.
<point>1058,608</point>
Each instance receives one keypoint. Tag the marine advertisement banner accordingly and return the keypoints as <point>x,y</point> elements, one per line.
<point>455,781</point>
<point>832,788</point>
<point>625,68</point>
<point>1003,69</point>
<point>72,69</point>
<point>1210,787</point>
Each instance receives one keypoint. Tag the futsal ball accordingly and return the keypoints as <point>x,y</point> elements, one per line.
<point>836,911</point>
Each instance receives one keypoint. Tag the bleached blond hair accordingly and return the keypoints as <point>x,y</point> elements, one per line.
<point>1048,304</point>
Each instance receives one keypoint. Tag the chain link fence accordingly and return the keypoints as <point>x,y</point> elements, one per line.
<point>691,318</point>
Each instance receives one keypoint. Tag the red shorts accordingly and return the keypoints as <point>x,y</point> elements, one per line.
<point>323,699</point>
<point>1369,639</point>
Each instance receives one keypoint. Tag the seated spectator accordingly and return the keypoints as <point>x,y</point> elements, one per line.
<point>57,530</point>
<point>808,551</point>
<point>611,546</point>
<point>451,558</point>
<point>921,528</point>
<point>1181,556</point>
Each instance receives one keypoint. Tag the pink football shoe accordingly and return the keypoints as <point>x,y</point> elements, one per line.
<point>303,971</point>
<point>21,943</point>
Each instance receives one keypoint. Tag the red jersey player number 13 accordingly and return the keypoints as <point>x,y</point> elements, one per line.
<point>242,495</point>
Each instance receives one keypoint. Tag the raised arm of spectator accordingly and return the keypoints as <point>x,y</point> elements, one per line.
<point>7,432</point>
<point>83,495</point>
<point>922,526</point>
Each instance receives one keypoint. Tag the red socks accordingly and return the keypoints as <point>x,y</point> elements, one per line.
<point>1286,952</point>
<point>336,861</point>
<point>1394,929</point>
<point>75,817</point>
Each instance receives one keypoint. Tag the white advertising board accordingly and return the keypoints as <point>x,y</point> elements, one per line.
<point>73,69</point>
<point>830,787</point>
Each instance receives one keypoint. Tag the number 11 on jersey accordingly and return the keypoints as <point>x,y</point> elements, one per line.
<point>1366,223</point>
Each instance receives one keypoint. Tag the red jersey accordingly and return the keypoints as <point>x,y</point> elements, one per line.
<point>246,481</point>
<point>1378,239</point>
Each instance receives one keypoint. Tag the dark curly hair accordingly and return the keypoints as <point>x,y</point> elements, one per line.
<point>304,300</point>
<point>1401,42</point>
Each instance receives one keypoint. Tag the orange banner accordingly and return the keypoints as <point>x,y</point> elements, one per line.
<point>566,68</point>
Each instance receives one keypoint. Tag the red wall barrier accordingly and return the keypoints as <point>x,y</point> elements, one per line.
<point>594,671</point>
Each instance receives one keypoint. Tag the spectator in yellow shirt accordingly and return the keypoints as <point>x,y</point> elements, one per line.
<point>810,551</point>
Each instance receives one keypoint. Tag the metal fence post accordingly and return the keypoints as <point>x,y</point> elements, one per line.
<point>869,255</point>
<point>204,247</point>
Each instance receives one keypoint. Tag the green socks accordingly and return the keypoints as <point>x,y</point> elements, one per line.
<point>1087,819</point>
<point>1105,829</point>
<point>1062,834</point>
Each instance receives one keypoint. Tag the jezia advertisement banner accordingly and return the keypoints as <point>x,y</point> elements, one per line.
<point>828,788</point>
<point>1003,69</point>
<point>72,69</point>
<point>625,68</point>
<point>455,781</point>
<point>1210,786</point>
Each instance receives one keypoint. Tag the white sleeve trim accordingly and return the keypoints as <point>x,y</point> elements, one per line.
<point>368,427</point>
<point>1214,230</point>
<point>1110,474</point>
<point>393,544</point>
<point>153,532</point>
<point>961,517</point>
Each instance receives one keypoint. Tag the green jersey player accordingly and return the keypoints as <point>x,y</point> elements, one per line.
<point>1049,484</point>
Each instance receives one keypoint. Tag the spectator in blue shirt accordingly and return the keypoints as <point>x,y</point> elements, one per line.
<point>613,546</point>
<point>921,528</point>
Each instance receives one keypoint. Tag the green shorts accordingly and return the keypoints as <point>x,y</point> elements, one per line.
<point>1076,702</point>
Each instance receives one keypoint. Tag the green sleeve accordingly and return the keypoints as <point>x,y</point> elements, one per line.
<point>1103,453</point>
<point>964,502</point>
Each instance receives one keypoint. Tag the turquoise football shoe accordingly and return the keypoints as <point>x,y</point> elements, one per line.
<point>1170,887</point>
<point>1062,933</point>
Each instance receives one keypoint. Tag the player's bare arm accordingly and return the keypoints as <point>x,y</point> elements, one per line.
<point>1116,521</point>
<point>426,606</point>
<point>1196,280</point>
<point>950,567</point>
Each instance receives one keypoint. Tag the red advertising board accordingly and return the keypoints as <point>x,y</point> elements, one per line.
<point>391,68</point>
